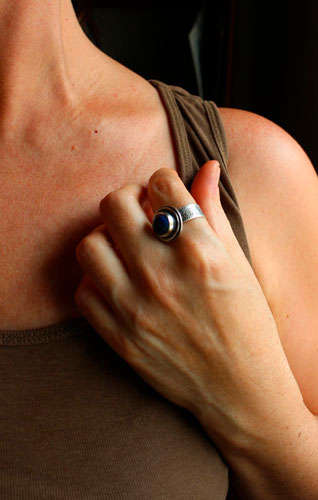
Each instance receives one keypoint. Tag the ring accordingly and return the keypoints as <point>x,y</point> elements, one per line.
<point>168,221</point>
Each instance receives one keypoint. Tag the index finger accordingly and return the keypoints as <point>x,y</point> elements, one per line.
<point>165,188</point>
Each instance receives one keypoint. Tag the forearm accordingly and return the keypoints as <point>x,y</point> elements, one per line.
<point>279,464</point>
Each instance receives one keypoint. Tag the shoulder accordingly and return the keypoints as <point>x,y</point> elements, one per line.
<point>277,192</point>
<point>260,140</point>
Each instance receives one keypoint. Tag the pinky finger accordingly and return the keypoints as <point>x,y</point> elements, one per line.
<point>101,316</point>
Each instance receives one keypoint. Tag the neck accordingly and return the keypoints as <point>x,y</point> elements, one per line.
<point>46,62</point>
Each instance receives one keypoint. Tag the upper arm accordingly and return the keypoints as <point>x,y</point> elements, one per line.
<point>277,192</point>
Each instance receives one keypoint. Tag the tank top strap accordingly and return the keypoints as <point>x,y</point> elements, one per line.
<point>199,136</point>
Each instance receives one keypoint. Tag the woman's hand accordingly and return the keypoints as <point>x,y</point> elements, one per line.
<point>189,315</point>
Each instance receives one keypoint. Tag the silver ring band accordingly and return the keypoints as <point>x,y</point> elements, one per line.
<point>168,221</point>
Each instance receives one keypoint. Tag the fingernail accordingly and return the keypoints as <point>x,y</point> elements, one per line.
<point>216,172</point>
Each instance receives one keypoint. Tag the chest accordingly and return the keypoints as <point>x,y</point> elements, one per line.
<point>47,208</point>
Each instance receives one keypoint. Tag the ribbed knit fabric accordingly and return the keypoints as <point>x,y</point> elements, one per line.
<point>76,422</point>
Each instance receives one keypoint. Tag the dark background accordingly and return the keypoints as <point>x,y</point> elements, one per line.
<point>247,54</point>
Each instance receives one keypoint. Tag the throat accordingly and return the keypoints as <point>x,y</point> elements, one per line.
<point>47,63</point>
<point>32,66</point>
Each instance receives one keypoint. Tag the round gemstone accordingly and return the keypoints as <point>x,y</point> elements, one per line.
<point>161,224</point>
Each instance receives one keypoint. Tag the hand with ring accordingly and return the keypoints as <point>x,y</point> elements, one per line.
<point>177,299</point>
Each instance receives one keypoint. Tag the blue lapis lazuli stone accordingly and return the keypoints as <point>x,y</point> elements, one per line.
<point>161,224</point>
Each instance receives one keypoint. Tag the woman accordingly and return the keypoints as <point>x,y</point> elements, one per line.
<point>77,421</point>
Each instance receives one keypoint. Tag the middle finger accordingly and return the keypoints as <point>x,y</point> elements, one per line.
<point>129,225</point>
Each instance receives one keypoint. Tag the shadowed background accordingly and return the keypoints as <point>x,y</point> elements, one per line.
<point>246,54</point>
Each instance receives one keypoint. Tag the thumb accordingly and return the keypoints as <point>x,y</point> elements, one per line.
<point>205,186</point>
<point>205,191</point>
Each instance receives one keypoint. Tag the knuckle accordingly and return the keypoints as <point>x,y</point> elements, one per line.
<point>145,277</point>
<point>192,248</point>
<point>204,259</point>
<point>87,247</point>
<point>166,185</point>
<point>83,248</point>
<point>113,199</point>
<point>199,260</point>
<point>155,283</point>
<point>162,172</point>
<point>134,316</point>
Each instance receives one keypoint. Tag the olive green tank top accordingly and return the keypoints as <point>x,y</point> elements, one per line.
<point>76,422</point>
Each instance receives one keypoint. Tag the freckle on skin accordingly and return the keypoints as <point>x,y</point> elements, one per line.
<point>73,147</point>
<point>96,131</point>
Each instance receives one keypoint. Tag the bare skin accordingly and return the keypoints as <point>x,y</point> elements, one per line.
<point>280,217</point>
<point>56,90</point>
<point>212,347</point>
<point>63,113</point>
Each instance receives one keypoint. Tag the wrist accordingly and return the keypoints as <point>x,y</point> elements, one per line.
<point>255,421</point>
<point>277,462</point>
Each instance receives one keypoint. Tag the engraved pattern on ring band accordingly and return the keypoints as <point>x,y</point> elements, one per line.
<point>190,211</point>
